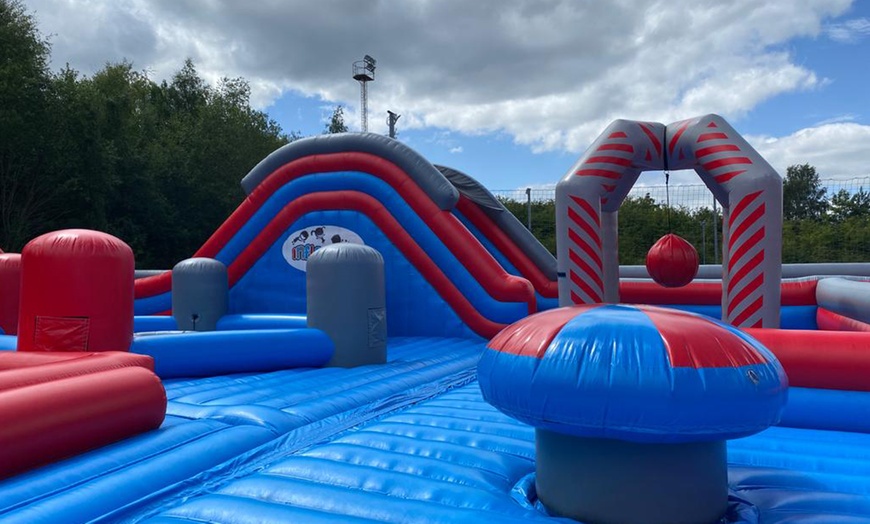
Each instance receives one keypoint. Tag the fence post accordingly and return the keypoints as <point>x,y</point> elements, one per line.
<point>529,207</point>
<point>704,241</point>
<point>715,232</point>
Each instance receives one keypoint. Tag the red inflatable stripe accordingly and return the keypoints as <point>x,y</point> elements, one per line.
<point>531,336</point>
<point>820,359</point>
<point>546,287</point>
<point>693,344</point>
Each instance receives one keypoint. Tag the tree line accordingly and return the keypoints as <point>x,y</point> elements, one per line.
<point>156,164</point>
<point>817,227</point>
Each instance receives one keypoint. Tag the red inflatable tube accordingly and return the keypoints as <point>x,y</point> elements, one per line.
<point>820,359</point>
<point>19,369</point>
<point>796,293</point>
<point>546,287</point>
<point>830,321</point>
<point>59,419</point>
<point>648,292</point>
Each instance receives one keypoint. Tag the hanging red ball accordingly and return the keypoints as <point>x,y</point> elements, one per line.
<point>672,261</point>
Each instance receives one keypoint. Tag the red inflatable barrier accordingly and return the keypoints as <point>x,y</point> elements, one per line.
<point>820,359</point>
<point>799,292</point>
<point>55,420</point>
<point>829,321</point>
<point>76,293</point>
<point>10,284</point>
<point>794,293</point>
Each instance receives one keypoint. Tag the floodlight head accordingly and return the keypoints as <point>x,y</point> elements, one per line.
<point>370,63</point>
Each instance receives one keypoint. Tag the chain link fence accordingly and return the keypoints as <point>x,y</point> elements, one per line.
<point>823,242</point>
<point>692,196</point>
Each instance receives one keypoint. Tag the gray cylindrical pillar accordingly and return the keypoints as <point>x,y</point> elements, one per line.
<point>606,481</point>
<point>347,300</point>
<point>200,293</point>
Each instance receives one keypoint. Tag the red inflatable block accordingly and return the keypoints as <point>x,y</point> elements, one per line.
<point>672,261</point>
<point>10,285</point>
<point>76,293</point>
<point>55,420</point>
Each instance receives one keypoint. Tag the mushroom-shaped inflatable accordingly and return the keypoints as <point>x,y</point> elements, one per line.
<point>632,406</point>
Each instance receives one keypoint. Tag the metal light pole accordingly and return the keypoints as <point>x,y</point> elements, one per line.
<point>364,72</point>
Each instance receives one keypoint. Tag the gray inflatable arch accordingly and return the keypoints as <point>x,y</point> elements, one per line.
<point>748,188</point>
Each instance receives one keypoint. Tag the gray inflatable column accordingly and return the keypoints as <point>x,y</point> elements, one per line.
<point>347,300</point>
<point>200,293</point>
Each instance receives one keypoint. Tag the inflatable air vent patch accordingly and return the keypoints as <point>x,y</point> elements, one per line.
<point>302,243</point>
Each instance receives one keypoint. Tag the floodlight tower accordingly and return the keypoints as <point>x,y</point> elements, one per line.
<point>364,72</point>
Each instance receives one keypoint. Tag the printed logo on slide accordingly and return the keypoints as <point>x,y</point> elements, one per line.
<point>302,243</point>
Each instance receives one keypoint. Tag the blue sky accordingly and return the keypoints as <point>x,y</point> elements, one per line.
<point>512,91</point>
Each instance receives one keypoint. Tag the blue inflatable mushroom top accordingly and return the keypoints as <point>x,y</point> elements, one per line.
<point>633,373</point>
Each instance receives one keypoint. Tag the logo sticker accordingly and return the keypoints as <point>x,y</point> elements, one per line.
<point>302,243</point>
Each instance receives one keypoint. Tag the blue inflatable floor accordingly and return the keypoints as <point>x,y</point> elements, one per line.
<point>285,400</point>
<point>212,421</point>
<point>454,458</point>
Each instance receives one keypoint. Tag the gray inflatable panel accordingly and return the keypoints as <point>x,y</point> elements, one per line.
<point>346,296</point>
<point>200,293</point>
<point>513,228</point>
<point>590,480</point>
<point>849,298</point>
<point>418,168</point>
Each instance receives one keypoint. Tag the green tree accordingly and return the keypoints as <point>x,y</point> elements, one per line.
<point>28,190</point>
<point>845,205</point>
<point>803,194</point>
<point>543,219</point>
<point>336,122</point>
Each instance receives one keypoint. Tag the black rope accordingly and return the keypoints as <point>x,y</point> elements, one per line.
<point>667,178</point>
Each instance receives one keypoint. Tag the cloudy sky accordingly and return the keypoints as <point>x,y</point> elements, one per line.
<point>513,91</point>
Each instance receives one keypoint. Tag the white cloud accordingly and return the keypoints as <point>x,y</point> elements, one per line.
<point>549,73</point>
<point>849,31</point>
<point>836,120</point>
<point>456,150</point>
<point>837,150</point>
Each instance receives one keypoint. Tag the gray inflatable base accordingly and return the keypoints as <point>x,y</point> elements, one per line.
<point>603,481</point>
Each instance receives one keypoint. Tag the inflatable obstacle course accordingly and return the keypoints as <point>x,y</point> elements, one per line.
<point>408,435</point>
